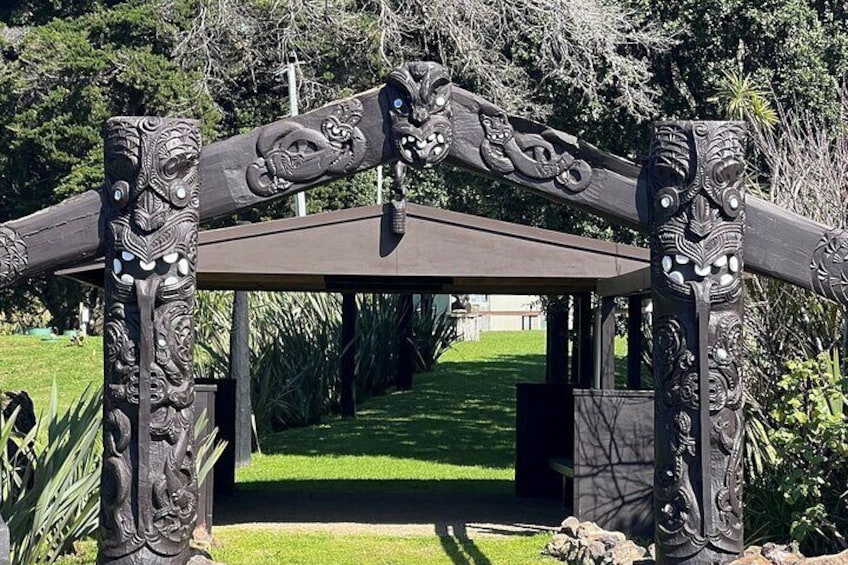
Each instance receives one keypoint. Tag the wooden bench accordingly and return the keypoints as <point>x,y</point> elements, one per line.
<point>563,466</point>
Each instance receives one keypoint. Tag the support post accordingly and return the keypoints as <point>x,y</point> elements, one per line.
<point>697,232</point>
<point>634,342</point>
<point>556,338</point>
<point>240,373</point>
<point>406,359</point>
<point>148,490</point>
<point>348,361</point>
<point>582,359</point>
<point>606,343</point>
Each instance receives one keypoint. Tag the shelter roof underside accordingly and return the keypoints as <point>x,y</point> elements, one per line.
<point>441,251</point>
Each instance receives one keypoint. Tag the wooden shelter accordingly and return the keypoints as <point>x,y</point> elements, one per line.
<point>355,250</point>
<point>689,198</point>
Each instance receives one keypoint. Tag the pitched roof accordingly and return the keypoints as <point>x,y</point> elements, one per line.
<point>441,251</point>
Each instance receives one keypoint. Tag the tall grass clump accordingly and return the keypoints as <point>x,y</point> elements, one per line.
<point>50,491</point>
<point>295,350</point>
<point>50,488</point>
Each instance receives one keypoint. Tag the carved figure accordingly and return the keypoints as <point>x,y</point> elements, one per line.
<point>290,152</point>
<point>399,199</point>
<point>419,99</point>
<point>148,486</point>
<point>13,255</point>
<point>536,156</point>
<point>696,258</point>
<point>829,266</point>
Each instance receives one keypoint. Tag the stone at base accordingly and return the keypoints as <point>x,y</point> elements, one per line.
<point>199,557</point>
<point>4,543</point>
<point>585,543</point>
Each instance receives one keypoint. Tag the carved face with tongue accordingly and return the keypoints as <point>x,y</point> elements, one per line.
<point>697,198</point>
<point>419,100</point>
<point>158,183</point>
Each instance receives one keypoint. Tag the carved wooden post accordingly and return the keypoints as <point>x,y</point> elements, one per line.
<point>556,340</point>
<point>696,269</point>
<point>148,500</point>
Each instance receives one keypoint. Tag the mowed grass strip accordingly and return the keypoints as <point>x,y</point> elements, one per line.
<point>458,423</point>
<point>239,546</point>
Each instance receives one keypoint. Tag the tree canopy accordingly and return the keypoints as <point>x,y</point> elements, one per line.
<point>596,68</point>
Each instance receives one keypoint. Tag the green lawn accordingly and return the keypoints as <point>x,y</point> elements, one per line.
<point>451,436</point>
<point>31,364</point>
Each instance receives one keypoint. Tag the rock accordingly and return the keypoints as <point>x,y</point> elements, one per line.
<point>199,557</point>
<point>838,559</point>
<point>781,554</point>
<point>586,543</point>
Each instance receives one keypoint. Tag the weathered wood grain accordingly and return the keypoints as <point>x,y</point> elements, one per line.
<point>779,244</point>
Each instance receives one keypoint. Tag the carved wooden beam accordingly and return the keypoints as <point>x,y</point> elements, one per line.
<point>148,499</point>
<point>419,118</point>
<point>697,246</point>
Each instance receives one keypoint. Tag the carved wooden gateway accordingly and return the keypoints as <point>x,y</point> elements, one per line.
<point>159,183</point>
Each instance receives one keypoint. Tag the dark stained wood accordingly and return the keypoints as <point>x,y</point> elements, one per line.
<point>634,282</point>
<point>606,342</point>
<point>779,244</point>
<point>441,252</point>
<point>697,258</point>
<point>348,361</point>
<point>240,372</point>
<point>556,346</point>
<point>634,342</point>
<point>614,459</point>
<point>204,404</point>
<point>584,359</point>
<point>544,420</point>
<point>406,357</point>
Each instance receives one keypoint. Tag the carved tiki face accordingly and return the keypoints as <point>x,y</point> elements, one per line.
<point>158,181</point>
<point>419,98</point>
<point>698,197</point>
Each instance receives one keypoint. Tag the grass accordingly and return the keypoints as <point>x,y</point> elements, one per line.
<point>451,436</point>
<point>30,364</point>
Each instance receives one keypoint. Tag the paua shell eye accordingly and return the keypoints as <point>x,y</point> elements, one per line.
<point>440,100</point>
<point>397,103</point>
<point>120,193</point>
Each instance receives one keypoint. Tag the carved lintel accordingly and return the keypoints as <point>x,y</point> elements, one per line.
<point>290,152</point>
<point>148,487</point>
<point>697,237</point>
<point>13,256</point>
<point>536,156</point>
<point>418,95</point>
<point>829,266</point>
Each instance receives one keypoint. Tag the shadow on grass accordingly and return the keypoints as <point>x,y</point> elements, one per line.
<point>462,413</point>
<point>441,503</point>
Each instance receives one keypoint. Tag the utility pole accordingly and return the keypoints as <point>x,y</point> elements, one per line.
<point>300,197</point>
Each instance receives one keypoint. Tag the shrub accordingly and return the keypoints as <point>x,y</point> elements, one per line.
<point>810,436</point>
<point>50,493</point>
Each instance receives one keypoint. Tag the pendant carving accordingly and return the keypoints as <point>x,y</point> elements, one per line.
<point>148,486</point>
<point>697,237</point>
<point>291,153</point>
<point>13,256</point>
<point>536,156</point>
<point>419,101</point>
